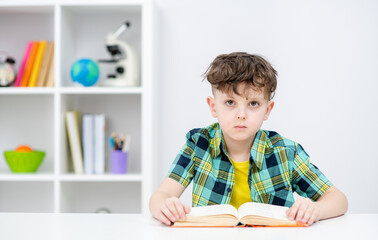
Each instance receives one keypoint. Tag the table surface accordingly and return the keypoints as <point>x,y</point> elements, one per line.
<point>137,226</point>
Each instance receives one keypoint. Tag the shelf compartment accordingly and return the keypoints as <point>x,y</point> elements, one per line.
<point>23,197</point>
<point>84,29</point>
<point>20,24</point>
<point>84,197</point>
<point>21,125</point>
<point>35,115</point>
<point>122,115</point>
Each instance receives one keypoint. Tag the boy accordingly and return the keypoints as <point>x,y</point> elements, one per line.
<point>233,161</point>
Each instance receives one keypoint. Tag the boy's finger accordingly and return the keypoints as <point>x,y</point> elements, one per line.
<point>168,213</point>
<point>172,207</point>
<point>312,219</point>
<point>179,208</point>
<point>164,219</point>
<point>187,209</point>
<point>293,211</point>
<point>301,212</point>
<point>307,215</point>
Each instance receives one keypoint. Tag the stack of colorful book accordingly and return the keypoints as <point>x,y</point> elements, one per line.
<point>86,137</point>
<point>37,65</point>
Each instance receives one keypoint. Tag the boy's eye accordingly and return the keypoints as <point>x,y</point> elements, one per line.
<point>230,102</point>
<point>254,104</point>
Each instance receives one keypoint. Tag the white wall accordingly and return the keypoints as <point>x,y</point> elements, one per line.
<point>326,54</point>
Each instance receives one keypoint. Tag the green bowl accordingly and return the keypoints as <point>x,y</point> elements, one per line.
<point>23,162</point>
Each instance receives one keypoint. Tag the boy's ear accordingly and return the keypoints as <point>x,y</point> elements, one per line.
<point>211,103</point>
<point>269,110</point>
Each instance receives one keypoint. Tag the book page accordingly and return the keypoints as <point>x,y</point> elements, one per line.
<point>213,210</point>
<point>262,209</point>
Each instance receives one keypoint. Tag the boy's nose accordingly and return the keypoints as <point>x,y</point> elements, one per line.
<point>241,115</point>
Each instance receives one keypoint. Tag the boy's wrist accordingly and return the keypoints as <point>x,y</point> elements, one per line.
<point>319,208</point>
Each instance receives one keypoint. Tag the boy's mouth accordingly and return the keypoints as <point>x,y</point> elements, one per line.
<point>240,127</point>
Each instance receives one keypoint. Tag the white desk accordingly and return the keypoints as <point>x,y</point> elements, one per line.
<point>135,226</point>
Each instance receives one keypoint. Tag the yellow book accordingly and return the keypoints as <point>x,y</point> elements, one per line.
<point>248,214</point>
<point>37,64</point>
<point>45,64</point>
<point>73,126</point>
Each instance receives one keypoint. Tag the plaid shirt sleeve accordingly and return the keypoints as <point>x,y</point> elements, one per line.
<point>182,168</point>
<point>308,180</point>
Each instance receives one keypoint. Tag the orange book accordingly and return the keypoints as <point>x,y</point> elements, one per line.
<point>249,214</point>
<point>29,65</point>
<point>37,64</point>
<point>45,64</point>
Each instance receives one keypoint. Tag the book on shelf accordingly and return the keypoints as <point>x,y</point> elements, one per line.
<point>37,64</point>
<point>45,64</point>
<point>29,64</point>
<point>23,64</point>
<point>49,81</point>
<point>99,145</point>
<point>248,214</point>
<point>88,143</point>
<point>73,123</point>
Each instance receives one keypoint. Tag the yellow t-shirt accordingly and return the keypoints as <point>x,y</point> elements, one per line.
<point>241,193</point>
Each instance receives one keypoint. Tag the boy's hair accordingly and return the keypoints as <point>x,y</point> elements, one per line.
<point>227,71</point>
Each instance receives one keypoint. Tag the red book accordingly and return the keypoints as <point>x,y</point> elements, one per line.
<point>23,64</point>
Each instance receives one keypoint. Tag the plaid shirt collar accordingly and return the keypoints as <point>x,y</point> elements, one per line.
<point>257,150</point>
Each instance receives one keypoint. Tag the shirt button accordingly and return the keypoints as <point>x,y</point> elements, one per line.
<point>229,189</point>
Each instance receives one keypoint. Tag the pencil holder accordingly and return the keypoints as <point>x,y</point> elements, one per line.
<point>118,162</point>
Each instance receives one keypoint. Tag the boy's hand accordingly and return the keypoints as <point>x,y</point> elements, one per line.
<point>304,210</point>
<point>171,210</point>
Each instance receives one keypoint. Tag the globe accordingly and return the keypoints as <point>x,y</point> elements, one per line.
<point>85,71</point>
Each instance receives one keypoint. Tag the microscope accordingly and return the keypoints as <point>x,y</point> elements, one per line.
<point>125,59</point>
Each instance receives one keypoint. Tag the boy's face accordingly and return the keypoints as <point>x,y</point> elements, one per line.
<point>240,117</point>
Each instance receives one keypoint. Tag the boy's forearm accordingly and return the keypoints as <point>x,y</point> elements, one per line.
<point>332,204</point>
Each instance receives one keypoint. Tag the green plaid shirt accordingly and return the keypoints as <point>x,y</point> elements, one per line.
<point>278,167</point>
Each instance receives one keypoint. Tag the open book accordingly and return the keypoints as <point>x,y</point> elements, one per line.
<point>250,213</point>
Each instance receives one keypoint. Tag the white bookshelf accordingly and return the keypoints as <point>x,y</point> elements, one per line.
<point>34,116</point>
